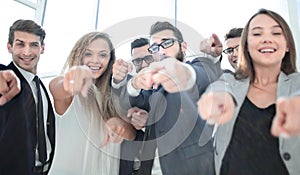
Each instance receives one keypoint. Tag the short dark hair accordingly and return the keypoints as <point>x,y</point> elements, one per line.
<point>28,26</point>
<point>139,43</point>
<point>160,26</point>
<point>234,33</point>
<point>164,25</point>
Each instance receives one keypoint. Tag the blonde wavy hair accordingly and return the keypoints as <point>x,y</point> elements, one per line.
<point>100,100</point>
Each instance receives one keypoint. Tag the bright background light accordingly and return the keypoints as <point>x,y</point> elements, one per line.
<point>66,21</point>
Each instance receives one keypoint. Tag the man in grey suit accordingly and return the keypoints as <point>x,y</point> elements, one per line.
<point>173,127</point>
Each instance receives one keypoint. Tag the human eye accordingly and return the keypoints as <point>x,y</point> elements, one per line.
<point>167,43</point>
<point>103,54</point>
<point>35,44</point>
<point>277,32</point>
<point>87,54</point>
<point>19,44</point>
<point>256,34</point>
<point>137,61</point>
<point>153,48</point>
<point>148,57</point>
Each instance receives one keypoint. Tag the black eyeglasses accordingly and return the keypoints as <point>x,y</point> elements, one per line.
<point>154,48</point>
<point>139,61</point>
<point>230,50</point>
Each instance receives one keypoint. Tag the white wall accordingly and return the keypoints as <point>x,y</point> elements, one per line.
<point>66,21</point>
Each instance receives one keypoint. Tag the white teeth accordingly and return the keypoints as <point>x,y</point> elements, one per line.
<point>267,50</point>
<point>94,67</point>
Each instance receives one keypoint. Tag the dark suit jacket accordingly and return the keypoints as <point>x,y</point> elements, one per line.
<point>130,150</point>
<point>17,131</point>
<point>176,127</point>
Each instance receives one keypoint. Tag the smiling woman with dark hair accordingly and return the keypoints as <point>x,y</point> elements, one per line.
<point>244,104</point>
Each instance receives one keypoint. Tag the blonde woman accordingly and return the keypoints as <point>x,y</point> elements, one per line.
<point>89,128</point>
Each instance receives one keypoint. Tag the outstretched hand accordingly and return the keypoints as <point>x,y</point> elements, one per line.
<point>286,122</point>
<point>114,131</point>
<point>212,46</point>
<point>120,70</point>
<point>172,74</point>
<point>216,107</point>
<point>9,86</point>
<point>78,80</point>
<point>138,117</point>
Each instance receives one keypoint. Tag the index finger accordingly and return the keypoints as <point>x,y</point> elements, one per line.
<point>279,119</point>
<point>217,41</point>
<point>105,140</point>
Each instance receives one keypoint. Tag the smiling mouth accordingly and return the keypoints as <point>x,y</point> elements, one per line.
<point>26,60</point>
<point>267,50</point>
<point>95,68</point>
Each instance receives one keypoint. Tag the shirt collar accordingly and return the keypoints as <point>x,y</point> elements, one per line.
<point>27,75</point>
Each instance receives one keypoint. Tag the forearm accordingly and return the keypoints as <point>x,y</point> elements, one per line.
<point>62,99</point>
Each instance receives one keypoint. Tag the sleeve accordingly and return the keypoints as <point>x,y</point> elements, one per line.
<point>131,90</point>
<point>117,86</point>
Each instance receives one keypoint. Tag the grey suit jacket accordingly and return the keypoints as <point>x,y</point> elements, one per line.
<point>176,125</point>
<point>289,148</point>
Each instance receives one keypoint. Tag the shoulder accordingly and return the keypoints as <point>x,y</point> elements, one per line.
<point>2,67</point>
<point>295,76</point>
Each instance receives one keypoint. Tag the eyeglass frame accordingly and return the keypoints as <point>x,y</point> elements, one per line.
<point>232,50</point>
<point>161,45</point>
<point>145,58</point>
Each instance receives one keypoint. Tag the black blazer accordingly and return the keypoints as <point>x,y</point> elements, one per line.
<point>17,133</point>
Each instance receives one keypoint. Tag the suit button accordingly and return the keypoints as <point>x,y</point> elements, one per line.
<point>286,156</point>
<point>34,148</point>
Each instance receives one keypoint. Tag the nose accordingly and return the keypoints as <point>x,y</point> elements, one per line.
<point>235,52</point>
<point>160,55</point>
<point>27,50</point>
<point>161,50</point>
<point>144,64</point>
<point>267,41</point>
<point>267,38</point>
<point>95,58</point>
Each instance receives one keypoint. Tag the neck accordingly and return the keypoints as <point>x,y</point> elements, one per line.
<point>264,77</point>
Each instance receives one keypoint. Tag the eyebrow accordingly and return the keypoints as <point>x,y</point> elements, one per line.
<point>164,39</point>
<point>18,40</point>
<point>87,49</point>
<point>275,26</point>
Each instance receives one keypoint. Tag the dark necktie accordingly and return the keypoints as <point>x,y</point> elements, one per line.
<point>40,125</point>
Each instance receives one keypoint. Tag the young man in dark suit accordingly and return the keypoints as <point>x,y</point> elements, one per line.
<point>130,163</point>
<point>174,127</point>
<point>27,137</point>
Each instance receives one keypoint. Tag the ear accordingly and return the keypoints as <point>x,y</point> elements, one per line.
<point>9,48</point>
<point>43,49</point>
<point>183,46</point>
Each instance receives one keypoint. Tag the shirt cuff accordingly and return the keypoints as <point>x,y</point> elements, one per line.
<point>117,86</point>
<point>131,90</point>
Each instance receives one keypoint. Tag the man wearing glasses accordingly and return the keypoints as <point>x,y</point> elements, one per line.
<point>173,127</point>
<point>141,58</point>
<point>232,40</point>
